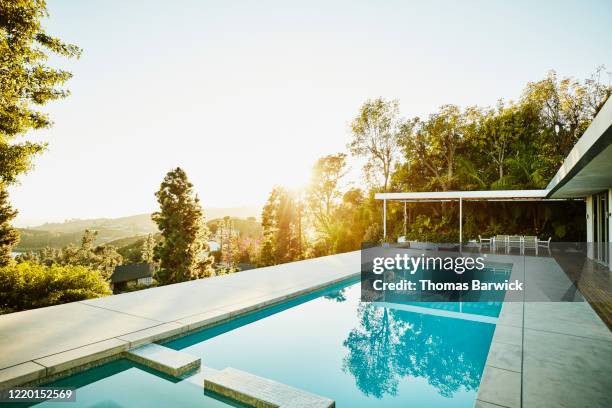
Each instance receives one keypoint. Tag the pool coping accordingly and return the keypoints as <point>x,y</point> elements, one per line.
<point>58,365</point>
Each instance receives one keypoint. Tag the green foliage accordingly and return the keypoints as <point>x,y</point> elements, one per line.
<point>376,132</point>
<point>513,146</point>
<point>323,199</point>
<point>30,285</point>
<point>147,251</point>
<point>25,81</point>
<point>283,233</point>
<point>182,251</point>
<point>102,258</point>
<point>9,236</point>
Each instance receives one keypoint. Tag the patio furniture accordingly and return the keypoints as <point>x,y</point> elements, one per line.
<point>401,240</point>
<point>544,243</point>
<point>515,241</point>
<point>485,241</point>
<point>500,240</point>
<point>530,242</point>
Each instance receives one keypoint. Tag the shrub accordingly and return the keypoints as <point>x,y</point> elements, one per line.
<point>29,285</point>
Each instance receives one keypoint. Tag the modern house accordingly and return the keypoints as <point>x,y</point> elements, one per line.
<point>586,174</point>
<point>130,275</point>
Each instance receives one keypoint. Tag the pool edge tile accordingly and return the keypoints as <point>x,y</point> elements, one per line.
<point>21,373</point>
<point>153,334</point>
<point>90,353</point>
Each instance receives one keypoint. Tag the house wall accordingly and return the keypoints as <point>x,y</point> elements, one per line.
<point>589,220</point>
<point>609,228</point>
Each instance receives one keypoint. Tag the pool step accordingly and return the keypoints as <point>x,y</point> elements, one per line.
<point>260,392</point>
<point>164,359</point>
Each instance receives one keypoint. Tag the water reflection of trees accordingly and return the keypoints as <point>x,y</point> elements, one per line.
<point>390,344</point>
<point>339,295</point>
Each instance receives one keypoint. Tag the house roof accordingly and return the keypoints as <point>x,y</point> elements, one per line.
<point>587,169</point>
<point>487,195</point>
<point>129,272</point>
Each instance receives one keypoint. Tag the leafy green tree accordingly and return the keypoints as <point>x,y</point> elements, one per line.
<point>376,131</point>
<point>324,194</point>
<point>9,236</point>
<point>26,82</point>
<point>183,249</point>
<point>29,285</point>
<point>283,236</point>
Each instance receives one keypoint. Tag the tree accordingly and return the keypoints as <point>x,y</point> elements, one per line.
<point>101,258</point>
<point>25,82</point>
<point>9,236</point>
<point>376,131</point>
<point>323,194</point>
<point>147,252</point>
<point>282,228</point>
<point>183,249</point>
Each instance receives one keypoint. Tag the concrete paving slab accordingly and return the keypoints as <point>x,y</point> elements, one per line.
<point>153,334</point>
<point>21,373</point>
<point>506,356</point>
<point>204,319</point>
<point>564,370</point>
<point>32,334</point>
<point>508,335</point>
<point>164,359</point>
<point>90,353</point>
<point>501,387</point>
<point>573,318</point>
<point>262,392</point>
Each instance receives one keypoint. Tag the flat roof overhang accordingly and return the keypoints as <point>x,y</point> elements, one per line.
<point>587,169</point>
<point>485,195</point>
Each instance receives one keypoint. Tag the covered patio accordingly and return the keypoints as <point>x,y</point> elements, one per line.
<point>459,197</point>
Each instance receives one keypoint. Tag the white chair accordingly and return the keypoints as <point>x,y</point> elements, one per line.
<point>515,241</point>
<point>530,242</point>
<point>401,240</point>
<point>485,241</point>
<point>545,244</point>
<point>500,241</point>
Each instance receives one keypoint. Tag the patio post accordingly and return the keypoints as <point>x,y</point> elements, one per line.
<point>460,220</point>
<point>384,220</point>
<point>405,218</point>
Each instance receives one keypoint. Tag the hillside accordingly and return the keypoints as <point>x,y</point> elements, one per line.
<point>57,235</point>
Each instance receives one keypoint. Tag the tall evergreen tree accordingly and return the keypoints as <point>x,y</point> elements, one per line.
<point>9,236</point>
<point>26,82</point>
<point>183,249</point>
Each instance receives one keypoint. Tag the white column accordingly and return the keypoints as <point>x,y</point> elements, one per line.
<point>384,220</point>
<point>589,227</point>
<point>460,220</point>
<point>405,221</point>
<point>609,219</point>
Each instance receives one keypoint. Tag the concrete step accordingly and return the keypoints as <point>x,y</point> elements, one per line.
<point>164,359</point>
<point>261,392</point>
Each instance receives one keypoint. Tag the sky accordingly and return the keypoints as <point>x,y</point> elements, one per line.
<point>246,95</point>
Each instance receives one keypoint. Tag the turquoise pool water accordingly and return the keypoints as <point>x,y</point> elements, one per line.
<point>328,343</point>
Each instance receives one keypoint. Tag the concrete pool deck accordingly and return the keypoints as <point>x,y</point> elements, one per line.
<point>547,354</point>
<point>41,343</point>
<point>542,354</point>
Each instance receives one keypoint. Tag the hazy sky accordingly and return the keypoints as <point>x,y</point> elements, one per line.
<point>246,95</point>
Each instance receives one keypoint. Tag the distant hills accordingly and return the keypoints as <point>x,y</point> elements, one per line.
<point>57,235</point>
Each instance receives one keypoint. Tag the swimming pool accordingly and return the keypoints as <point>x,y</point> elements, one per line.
<point>328,343</point>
